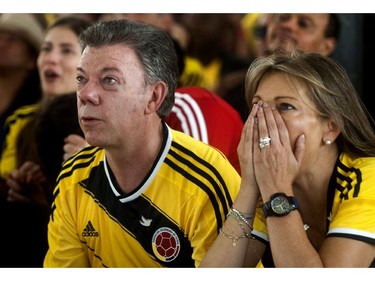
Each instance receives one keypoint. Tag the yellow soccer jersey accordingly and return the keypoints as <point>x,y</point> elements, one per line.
<point>13,126</point>
<point>170,220</point>
<point>199,75</point>
<point>351,195</point>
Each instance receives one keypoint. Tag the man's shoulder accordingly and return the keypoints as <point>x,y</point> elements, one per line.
<point>78,167</point>
<point>196,150</point>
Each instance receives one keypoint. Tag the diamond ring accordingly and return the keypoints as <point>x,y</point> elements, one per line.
<point>263,142</point>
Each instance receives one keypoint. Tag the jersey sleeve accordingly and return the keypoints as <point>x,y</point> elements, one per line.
<point>65,248</point>
<point>353,212</point>
<point>210,218</point>
<point>260,226</point>
<point>13,126</point>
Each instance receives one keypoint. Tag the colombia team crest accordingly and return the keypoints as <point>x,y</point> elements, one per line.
<point>165,244</point>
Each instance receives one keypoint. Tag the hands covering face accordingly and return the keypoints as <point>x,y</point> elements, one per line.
<point>265,152</point>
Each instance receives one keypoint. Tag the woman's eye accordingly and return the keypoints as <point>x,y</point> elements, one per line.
<point>67,51</point>
<point>45,49</point>
<point>285,107</point>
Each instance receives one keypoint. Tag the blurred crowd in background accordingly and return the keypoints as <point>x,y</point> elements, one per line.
<point>218,47</point>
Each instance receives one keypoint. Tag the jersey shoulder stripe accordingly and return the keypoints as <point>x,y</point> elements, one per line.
<point>206,164</point>
<point>211,175</point>
<point>343,175</point>
<point>82,159</point>
<point>22,113</point>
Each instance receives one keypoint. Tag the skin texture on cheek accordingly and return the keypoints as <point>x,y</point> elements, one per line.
<point>313,130</point>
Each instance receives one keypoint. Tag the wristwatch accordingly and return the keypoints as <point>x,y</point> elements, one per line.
<point>280,205</point>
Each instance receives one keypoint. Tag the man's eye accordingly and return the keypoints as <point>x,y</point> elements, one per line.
<point>303,23</point>
<point>80,79</point>
<point>109,80</point>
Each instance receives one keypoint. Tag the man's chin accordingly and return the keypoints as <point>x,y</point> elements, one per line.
<point>283,47</point>
<point>93,140</point>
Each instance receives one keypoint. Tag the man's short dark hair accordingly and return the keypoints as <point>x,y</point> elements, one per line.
<point>153,46</point>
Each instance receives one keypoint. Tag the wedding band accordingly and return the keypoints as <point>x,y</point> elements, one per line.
<point>263,142</point>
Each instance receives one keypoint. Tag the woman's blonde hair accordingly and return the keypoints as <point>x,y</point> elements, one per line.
<point>329,88</point>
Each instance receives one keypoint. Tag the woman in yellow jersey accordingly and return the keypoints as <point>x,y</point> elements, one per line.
<point>57,60</point>
<point>308,152</point>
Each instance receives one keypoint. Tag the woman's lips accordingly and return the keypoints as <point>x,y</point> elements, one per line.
<point>51,76</point>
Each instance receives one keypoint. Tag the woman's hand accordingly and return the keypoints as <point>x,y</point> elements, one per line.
<point>276,165</point>
<point>245,150</point>
<point>26,184</point>
<point>73,144</point>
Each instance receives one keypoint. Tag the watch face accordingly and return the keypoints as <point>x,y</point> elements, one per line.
<point>280,205</point>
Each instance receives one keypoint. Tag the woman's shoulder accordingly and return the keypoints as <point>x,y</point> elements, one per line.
<point>351,162</point>
<point>357,174</point>
<point>26,110</point>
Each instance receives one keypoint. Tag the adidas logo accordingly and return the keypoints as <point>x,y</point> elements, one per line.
<point>90,231</point>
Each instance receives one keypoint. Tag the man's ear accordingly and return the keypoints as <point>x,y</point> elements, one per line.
<point>328,46</point>
<point>331,132</point>
<point>158,94</point>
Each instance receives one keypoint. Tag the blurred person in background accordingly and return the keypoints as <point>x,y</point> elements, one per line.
<point>306,32</point>
<point>33,154</point>
<point>217,42</point>
<point>57,63</point>
<point>20,38</point>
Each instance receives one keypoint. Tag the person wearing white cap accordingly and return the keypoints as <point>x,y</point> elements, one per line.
<point>21,36</point>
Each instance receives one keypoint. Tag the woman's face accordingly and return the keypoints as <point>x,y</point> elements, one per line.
<point>291,100</point>
<point>57,61</point>
<point>15,53</point>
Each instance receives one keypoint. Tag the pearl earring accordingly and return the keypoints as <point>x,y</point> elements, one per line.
<point>328,142</point>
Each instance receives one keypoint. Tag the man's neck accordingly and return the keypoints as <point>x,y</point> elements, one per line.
<point>132,167</point>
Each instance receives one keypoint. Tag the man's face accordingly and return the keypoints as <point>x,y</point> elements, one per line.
<point>112,95</point>
<point>304,32</point>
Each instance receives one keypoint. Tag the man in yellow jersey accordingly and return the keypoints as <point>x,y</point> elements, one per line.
<point>143,195</point>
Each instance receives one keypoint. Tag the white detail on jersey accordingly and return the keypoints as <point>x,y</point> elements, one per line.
<point>150,179</point>
<point>189,113</point>
<point>145,222</point>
